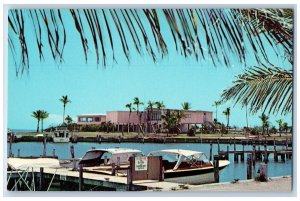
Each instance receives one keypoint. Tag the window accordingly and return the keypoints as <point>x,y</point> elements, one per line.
<point>188,115</point>
<point>89,119</point>
<point>97,119</point>
<point>82,119</point>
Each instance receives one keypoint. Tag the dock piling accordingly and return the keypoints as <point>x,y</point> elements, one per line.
<point>41,179</point>
<point>227,155</point>
<point>253,155</point>
<point>80,185</point>
<point>265,154</point>
<point>10,144</point>
<point>249,166</point>
<point>53,152</point>
<point>243,154</point>
<point>113,169</point>
<point>235,156</point>
<point>210,152</point>
<point>45,147</point>
<point>218,145</point>
<point>275,154</point>
<point>216,168</point>
<point>73,156</point>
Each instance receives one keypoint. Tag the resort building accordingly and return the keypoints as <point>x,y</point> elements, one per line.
<point>91,119</point>
<point>149,120</point>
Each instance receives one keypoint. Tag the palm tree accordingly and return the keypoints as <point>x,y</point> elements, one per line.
<point>137,102</point>
<point>223,33</point>
<point>150,112</point>
<point>285,127</point>
<point>160,105</point>
<point>65,101</point>
<point>227,114</point>
<point>186,106</point>
<point>130,108</point>
<point>68,119</point>
<point>37,115</point>
<point>265,123</point>
<point>280,123</point>
<point>44,115</point>
<point>217,104</point>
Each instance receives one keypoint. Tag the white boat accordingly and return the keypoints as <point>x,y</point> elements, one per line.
<point>187,167</point>
<point>101,160</point>
<point>61,135</point>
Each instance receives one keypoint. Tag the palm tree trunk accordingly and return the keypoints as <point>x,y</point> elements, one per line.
<point>64,114</point>
<point>128,123</point>
<point>42,125</point>
<point>38,126</point>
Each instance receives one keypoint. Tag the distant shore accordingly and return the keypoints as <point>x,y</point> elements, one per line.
<point>158,138</point>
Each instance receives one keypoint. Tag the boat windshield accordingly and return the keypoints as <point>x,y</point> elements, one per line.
<point>176,161</point>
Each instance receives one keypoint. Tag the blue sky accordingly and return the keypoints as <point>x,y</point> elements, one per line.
<point>93,88</point>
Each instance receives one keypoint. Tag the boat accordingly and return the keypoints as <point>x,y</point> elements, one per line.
<point>61,135</point>
<point>187,166</point>
<point>102,160</point>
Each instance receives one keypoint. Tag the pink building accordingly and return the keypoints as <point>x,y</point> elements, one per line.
<point>150,121</point>
<point>91,119</point>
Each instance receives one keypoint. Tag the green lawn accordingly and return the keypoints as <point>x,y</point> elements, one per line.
<point>134,134</point>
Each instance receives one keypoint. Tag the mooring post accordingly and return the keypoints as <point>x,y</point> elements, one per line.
<point>282,157</point>
<point>100,139</point>
<point>73,156</point>
<point>227,154</point>
<point>10,144</point>
<point>129,173</point>
<point>18,152</point>
<point>210,152</point>
<point>253,155</point>
<point>265,139</point>
<point>113,169</point>
<point>275,154</point>
<point>41,179</point>
<point>161,167</point>
<point>234,152</point>
<point>243,154</point>
<point>216,168</point>
<point>249,166</point>
<point>265,154</point>
<point>263,173</point>
<point>53,153</point>
<point>105,160</point>
<point>45,147</point>
<point>80,178</point>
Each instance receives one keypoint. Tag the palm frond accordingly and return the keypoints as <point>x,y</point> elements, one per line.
<point>219,35</point>
<point>263,88</point>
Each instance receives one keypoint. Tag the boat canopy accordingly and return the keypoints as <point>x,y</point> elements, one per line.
<point>180,155</point>
<point>24,163</point>
<point>96,156</point>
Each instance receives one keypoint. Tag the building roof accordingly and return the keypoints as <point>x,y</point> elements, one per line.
<point>91,115</point>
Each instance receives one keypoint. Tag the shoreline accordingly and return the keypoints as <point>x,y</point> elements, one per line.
<point>161,138</point>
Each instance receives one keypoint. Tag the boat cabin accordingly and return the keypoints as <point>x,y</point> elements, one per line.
<point>119,156</point>
<point>179,159</point>
<point>61,132</point>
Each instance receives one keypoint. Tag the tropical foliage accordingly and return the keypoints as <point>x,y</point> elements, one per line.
<point>263,88</point>
<point>186,106</point>
<point>220,36</point>
<point>44,115</point>
<point>37,115</point>
<point>65,101</point>
<point>227,114</point>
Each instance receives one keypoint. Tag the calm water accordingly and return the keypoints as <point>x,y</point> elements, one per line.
<point>233,171</point>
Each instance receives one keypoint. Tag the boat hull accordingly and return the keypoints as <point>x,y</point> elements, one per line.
<point>193,176</point>
<point>60,140</point>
